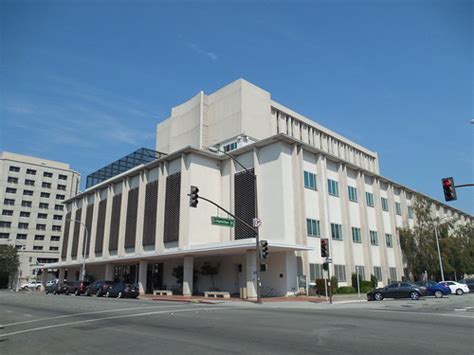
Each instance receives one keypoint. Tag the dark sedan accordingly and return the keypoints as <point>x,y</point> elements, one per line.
<point>469,283</point>
<point>56,288</point>
<point>77,287</point>
<point>99,288</point>
<point>122,290</point>
<point>397,290</point>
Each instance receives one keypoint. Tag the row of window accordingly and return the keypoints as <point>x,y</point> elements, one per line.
<point>46,185</point>
<point>56,217</point>
<point>333,190</point>
<point>47,174</point>
<point>23,225</point>
<point>11,202</point>
<point>316,272</point>
<point>12,190</point>
<point>20,236</point>
<point>313,230</point>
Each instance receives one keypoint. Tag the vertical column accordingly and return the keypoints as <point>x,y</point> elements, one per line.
<point>123,216</point>
<point>44,275</point>
<point>160,208</point>
<point>140,212</point>
<point>93,231</point>
<point>299,213</point>
<point>188,268</point>
<point>108,217</point>
<point>396,240</point>
<point>364,223</point>
<point>380,228</point>
<point>184,231</point>
<point>142,272</point>
<point>61,275</point>
<point>324,214</point>
<point>346,221</point>
<point>109,272</point>
<point>251,274</point>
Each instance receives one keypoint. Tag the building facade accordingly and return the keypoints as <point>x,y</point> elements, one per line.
<point>311,183</point>
<point>32,192</point>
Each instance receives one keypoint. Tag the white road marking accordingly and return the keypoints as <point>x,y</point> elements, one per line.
<point>85,313</point>
<point>27,315</point>
<point>425,313</point>
<point>102,319</point>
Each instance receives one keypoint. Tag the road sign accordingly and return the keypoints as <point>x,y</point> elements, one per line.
<point>219,221</point>
<point>329,260</point>
<point>257,222</point>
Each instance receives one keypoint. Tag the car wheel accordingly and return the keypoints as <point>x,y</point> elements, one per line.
<point>438,294</point>
<point>414,295</point>
<point>107,294</point>
<point>459,292</point>
<point>120,295</point>
<point>76,293</point>
<point>47,292</point>
<point>378,296</point>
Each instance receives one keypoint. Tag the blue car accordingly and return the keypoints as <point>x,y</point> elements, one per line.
<point>434,289</point>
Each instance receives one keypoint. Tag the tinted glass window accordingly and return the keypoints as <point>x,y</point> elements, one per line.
<point>395,285</point>
<point>404,284</point>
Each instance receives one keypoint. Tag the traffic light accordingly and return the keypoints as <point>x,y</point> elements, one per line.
<point>325,266</point>
<point>193,196</point>
<point>449,189</point>
<point>264,249</point>
<point>324,248</point>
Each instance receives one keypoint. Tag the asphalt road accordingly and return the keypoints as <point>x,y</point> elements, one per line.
<point>47,324</point>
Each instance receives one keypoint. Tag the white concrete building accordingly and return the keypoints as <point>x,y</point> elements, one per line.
<point>32,192</point>
<point>311,183</point>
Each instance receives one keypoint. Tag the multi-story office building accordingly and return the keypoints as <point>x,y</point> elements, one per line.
<point>32,192</point>
<point>311,183</point>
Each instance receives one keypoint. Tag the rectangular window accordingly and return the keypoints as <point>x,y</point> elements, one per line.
<point>39,237</point>
<point>370,199</point>
<point>24,214</point>
<point>42,215</point>
<point>410,212</point>
<point>60,197</point>
<point>59,207</point>
<point>310,180</point>
<point>58,217</point>
<point>333,187</point>
<point>352,193</point>
<point>47,174</point>
<point>46,185</point>
<point>4,224</point>
<point>37,247</point>
<point>378,273</point>
<point>11,190</point>
<point>26,203</point>
<point>7,213</point>
<point>43,205</point>
<point>45,194</point>
<point>312,227</point>
<point>21,236</point>
<point>393,274</point>
<point>8,201</point>
<point>13,180</point>
<point>62,177</point>
<point>61,187</point>
<point>57,228</point>
<point>4,235</point>
<point>53,248</point>
<point>356,236</point>
<point>340,272</point>
<point>41,227</point>
<point>336,231</point>
<point>388,239</point>
<point>398,208</point>
<point>230,146</point>
<point>384,204</point>
<point>315,272</point>
<point>29,182</point>
<point>374,239</point>
<point>27,192</point>
<point>55,238</point>
<point>22,225</point>
<point>14,169</point>
<point>31,172</point>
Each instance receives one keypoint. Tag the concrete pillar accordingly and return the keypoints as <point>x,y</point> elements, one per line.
<point>188,267</point>
<point>109,272</point>
<point>62,272</point>
<point>44,276</point>
<point>142,272</point>
<point>251,274</point>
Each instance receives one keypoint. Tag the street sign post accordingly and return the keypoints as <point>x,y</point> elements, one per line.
<point>224,222</point>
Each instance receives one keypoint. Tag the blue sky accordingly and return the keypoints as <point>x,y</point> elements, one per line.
<point>86,82</point>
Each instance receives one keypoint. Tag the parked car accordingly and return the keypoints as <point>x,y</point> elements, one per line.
<point>434,289</point>
<point>31,284</point>
<point>51,282</point>
<point>99,288</point>
<point>56,288</point>
<point>397,290</point>
<point>122,290</point>
<point>76,287</point>
<point>469,283</point>
<point>456,287</point>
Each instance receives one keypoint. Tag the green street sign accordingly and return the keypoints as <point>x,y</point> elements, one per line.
<point>219,221</point>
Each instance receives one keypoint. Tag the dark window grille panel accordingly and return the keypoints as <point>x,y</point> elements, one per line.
<point>115,222</point>
<point>244,203</point>
<point>99,238</point>
<point>66,236</point>
<point>172,202</point>
<point>75,236</point>
<point>89,213</point>
<point>151,204</point>
<point>131,225</point>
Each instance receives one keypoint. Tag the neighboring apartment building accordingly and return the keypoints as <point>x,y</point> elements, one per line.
<point>32,192</point>
<point>311,183</point>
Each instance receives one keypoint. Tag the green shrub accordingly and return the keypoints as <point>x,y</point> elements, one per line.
<point>321,290</point>
<point>345,290</point>
<point>374,280</point>
<point>333,284</point>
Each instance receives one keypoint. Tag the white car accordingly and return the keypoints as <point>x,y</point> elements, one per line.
<point>456,287</point>
<point>31,284</point>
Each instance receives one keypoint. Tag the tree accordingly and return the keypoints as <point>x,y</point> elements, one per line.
<point>209,270</point>
<point>8,263</point>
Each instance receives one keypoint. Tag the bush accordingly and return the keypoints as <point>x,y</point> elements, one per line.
<point>333,284</point>
<point>345,290</point>
<point>374,280</point>
<point>320,289</point>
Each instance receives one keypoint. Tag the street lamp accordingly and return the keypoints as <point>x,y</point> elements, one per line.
<point>85,243</point>
<point>437,245</point>
<point>257,238</point>
<point>22,249</point>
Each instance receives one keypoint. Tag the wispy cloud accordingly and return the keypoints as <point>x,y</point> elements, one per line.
<point>211,55</point>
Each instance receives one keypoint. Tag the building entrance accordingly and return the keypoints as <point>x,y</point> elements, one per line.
<point>126,273</point>
<point>154,277</point>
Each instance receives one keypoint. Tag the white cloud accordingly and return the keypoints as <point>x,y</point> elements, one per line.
<point>211,55</point>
